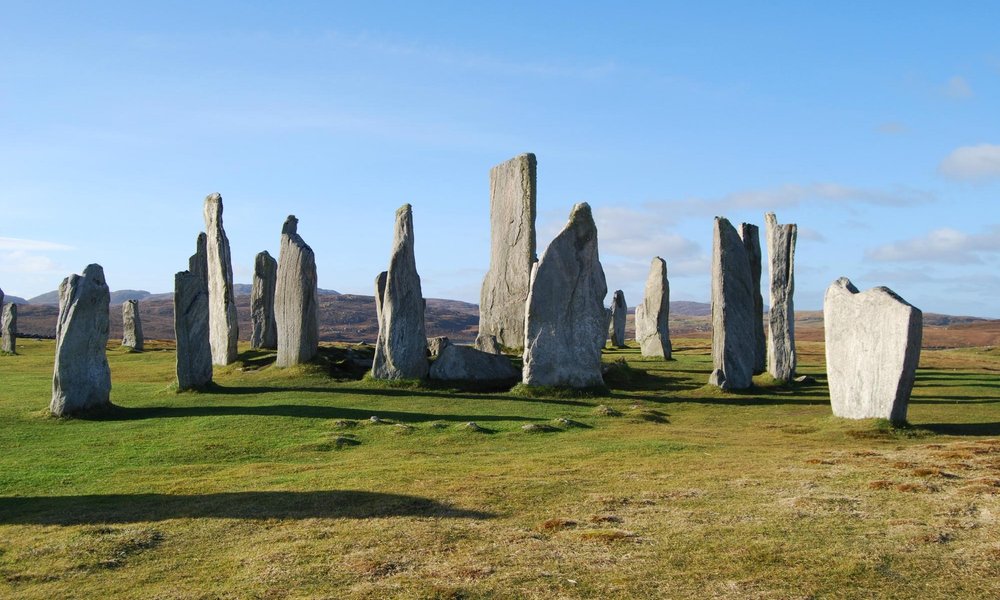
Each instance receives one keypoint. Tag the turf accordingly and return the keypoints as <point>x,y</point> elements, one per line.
<point>277,484</point>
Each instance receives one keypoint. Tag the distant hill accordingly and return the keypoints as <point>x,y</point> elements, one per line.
<point>117,297</point>
<point>14,299</point>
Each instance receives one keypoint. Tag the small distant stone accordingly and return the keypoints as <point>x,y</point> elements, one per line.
<point>439,425</point>
<point>402,428</point>
<point>537,428</point>
<point>564,422</point>
<point>345,423</point>
<point>342,441</point>
<point>436,344</point>
<point>375,419</point>
<point>805,380</point>
<point>473,426</point>
<point>607,411</point>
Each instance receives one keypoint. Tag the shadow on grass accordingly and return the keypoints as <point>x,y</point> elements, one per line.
<point>984,429</point>
<point>303,411</point>
<point>133,508</point>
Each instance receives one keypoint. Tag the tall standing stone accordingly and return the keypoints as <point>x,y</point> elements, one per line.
<point>619,314</point>
<point>566,323</point>
<point>734,350</point>
<point>264,331</point>
<point>872,350</point>
<point>512,250</point>
<point>296,300</point>
<point>781,323</point>
<point>223,327</point>
<point>131,325</point>
<point>652,329</point>
<point>751,240</point>
<point>8,327</point>
<point>81,378</point>
<point>194,351</point>
<point>401,348</point>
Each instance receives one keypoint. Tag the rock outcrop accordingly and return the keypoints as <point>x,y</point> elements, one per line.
<point>263,328</point>
<point>566,323</point>
<point>619,314</point>
<point>296,302</point>
<point>781,357</point>
<point>8,327</point>
<point>734,339</point>
<point>465,363</point>
<point>131,325</point>
<point>652,329</point>
<point>751,241</point>
<point>512,250</point>
<point>223,326</point>
<point>436,344</point>
<point>872,350</point>
<point>81,378</point>
<point>401,348</point>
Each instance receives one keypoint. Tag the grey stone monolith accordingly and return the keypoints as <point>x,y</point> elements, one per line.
<point>872,350</point>
<point>401,349</point>
<point>751,240</point>
<point>465,363</point>
<point>296,299</point>
<point>198,262</point>
<point>8,328</point>
<point>566,323</point>
<point>734,338</point>
<point>131,325</point>
<point>223,326</point>
<point>781,357</point>
<point>652,329</point>
<point>488,343</point>
<point>608,314</point>
<point>619,315</point>
<point>81,378</point>
<point>512,250</point>
<point>263,328</point>
<point>194,351</point>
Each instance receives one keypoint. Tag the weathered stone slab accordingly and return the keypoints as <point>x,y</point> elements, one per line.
<point>652,329</point>
<point>264,328</point>
<point>733,309</point>
<point>488,343</point>
<point>223,326</point>
<point>194,351</point>
<point>619,315</point>
<point>436,344</point>
<point>401,347</point>
<point>81,378</point>
<point>465,363</point>
<point>8,327</point>
<point>198,262</point>
<point>512,250</point>
<point>566,323</point>
<point>132,325</point>
<point>872,350</point>
<point>751,241</point>
<point>608,321</point>
<point>296,300</point>
<point>781,357</point>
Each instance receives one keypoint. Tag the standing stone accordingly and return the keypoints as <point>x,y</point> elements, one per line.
<point>608,314</point>
<point>734,338</point>
<point>751,240</point>
<point>264,330</point>
<point>81,377</point>
<point>194,351</point>
<point>296,300</point>
<point>872,350</point>
<point>488,343</point>
<point>223,327</point>
<point>619,314</point>
<point>131,325</point>
<point>781,323</point>
<point>566,323</point>
<point>652,329</point>
<point>401,349</point>
<point>198,262</point>
<point>512,250</point>
<point>8,327</point>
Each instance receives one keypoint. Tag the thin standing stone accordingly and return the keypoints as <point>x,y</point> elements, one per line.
<point>132,325</point>
<point>223,326</point>
<point>264,329</point>
<point>751,240</point>
<point>652,329</point>
<point>781,359</point>
<point>8,326</point>
<point>296,300</point>
<point>733,309</point>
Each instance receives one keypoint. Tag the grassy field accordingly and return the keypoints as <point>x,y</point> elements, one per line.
<point>276,484</point>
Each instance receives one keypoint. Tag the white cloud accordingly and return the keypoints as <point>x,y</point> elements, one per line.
<point>22,262</point>
<point>944,245</point>
<point>17,244</point>
<point>958,87</point>
<point>972,163</point>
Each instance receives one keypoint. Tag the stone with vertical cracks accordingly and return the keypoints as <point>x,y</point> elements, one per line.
<point>8,327</point>
<point>751,240</point>
<point>566,323</point>
<point>781,357</point>
<point>223,327</point>
<point>131,325</point>
<point>194,351</point>
<point>872,350</point>
<point>296,300</point>
<point>401,348</point>
<point>512,250</point>
<point>465,363</point>
<point>81,378</point>
<point>263,328</point>
<point>652,329</point>
<point>733,309</point>
<point>619,315</point>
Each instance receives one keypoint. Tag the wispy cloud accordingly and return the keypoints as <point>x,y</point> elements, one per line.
<point>957,87</point>
<point>972,163</point>
<point>22,262</point>
<point>7,243</point>
<point>944,245</point>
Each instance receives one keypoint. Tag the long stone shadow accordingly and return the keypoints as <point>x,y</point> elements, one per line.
<point>983,429</point>
<point>938,399</point>
<point>132,508</point>
<point>305,411</point>
<point>731,399</point>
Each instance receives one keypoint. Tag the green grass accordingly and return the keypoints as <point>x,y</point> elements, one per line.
<point>275,483</point>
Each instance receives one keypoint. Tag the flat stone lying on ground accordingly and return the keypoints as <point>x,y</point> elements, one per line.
<point>619,315</point>
<point>401,347</point>
<point>872,350</point>
<point>750,235</point>
<point>781,359</point>
<point>132,325</point>
<point>223,325</point>
<point>733,309</point>
<point>81,378</point>
<point>566,322</point>
<point>465,363</point>
<point>512,250</point>
<point>8,327</point>
<point>263,327</point>
<point>652,329</point>
<point>296,299</point>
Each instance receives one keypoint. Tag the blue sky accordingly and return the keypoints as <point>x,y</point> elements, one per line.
<point>875,128</point>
